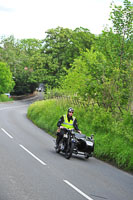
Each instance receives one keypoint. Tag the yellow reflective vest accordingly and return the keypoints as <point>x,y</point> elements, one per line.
<point>68,124</point>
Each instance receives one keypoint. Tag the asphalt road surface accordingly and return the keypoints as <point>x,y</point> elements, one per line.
<point>30,169</point>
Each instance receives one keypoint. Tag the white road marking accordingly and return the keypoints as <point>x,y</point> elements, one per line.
<point>32,154</point>
<point>79,191</point>
<point>7,133</point>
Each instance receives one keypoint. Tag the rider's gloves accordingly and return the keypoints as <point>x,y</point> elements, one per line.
<point>61,127</point>
<point>79,131</point>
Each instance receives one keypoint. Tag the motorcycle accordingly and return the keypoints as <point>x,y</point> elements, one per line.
<point>75,143</point>
<point>66,145</point>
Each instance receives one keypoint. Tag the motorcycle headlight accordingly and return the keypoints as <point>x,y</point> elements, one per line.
<point>89,143</point>
<point>65,136</point>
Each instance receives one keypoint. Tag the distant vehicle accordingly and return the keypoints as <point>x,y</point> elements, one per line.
<point>40,88</point>
<point>8,94</point>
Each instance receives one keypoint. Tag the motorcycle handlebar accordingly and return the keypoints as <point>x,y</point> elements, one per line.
<point>68,130</point>
<point>71,130</point>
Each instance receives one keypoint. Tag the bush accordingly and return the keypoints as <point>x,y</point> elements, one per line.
<point>4,98</point>
<point>6,79</point>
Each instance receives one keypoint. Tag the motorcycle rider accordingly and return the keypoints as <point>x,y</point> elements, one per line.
<point>66,121</point>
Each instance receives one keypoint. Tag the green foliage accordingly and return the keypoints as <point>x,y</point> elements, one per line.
<point>61,47</point>
<point>80,41</point>
<point>116,46</point>
<point>115,149</point>
<point>26,62</point>
<point>8,51</point>
<point>104,73</point>
<point>54,93</point>
<point>92,78</point>
<point>6,81</point>
<point>44,61</point>
<point>122,19</point>
<point>37,112</point>
<point>4,98</point>
<point>57,56</point>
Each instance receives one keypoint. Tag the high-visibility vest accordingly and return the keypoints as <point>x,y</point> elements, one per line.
<point>68,124</point>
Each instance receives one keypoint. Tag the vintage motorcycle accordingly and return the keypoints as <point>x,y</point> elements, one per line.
<point>75,143</point>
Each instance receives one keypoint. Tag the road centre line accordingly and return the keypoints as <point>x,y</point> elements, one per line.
<point>32,155</point>
<point>7,133</point>
<point>79,191</point>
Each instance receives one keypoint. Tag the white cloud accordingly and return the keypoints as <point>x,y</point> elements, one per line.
<point>31,18</point>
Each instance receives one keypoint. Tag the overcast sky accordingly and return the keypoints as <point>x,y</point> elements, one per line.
<point>31,18</point>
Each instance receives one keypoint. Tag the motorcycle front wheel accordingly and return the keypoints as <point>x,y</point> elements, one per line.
<point>58,148</point>
<point>69,151</point>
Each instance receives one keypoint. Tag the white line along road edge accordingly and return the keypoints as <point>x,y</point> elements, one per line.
<point>7,133</point>
<point>79,191</point>
<point>32,155</point>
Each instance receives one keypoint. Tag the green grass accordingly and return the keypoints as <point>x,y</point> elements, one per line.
<point>113,138</point>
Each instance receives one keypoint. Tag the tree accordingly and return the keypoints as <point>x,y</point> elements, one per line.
<point>122,18</point>
<point>26,60</point>
<point>116,45</point>
<point>61,47</point>
<point>81,40</point>
<point>6,81</point>
<point>29,72</point>
<point>56,54</point>
<point>9,51</point>
<point>89,77</point>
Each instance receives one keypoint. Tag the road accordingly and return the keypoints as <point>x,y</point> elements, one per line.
<point>30,169</point>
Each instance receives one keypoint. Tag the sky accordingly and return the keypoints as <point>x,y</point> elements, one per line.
<point>32,18</point>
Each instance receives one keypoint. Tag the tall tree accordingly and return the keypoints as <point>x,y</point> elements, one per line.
<point>122,18</point>
<point>56,45</point>
<point>81,40</point>
<point>116,45</point>
<point>61,47</point>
